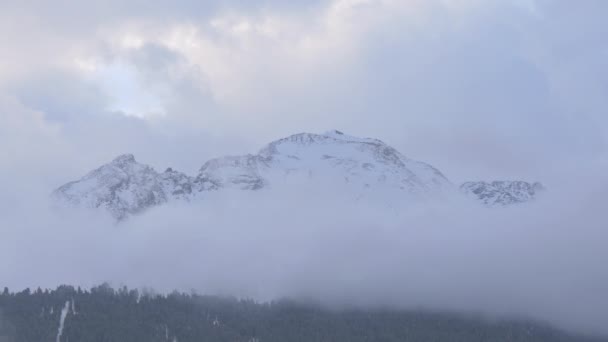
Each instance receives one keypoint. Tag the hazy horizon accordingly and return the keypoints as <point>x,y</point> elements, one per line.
<point>481,90</point>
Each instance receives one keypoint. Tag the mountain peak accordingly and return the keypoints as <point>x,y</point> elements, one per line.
<point>124,159</point>
<point>502,192</point>
<point>365,168</point>
<point>339,135</point>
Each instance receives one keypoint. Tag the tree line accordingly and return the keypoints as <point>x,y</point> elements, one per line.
<point>105,314</point>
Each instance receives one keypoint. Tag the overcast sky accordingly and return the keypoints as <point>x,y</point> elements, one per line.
<point>480,89</point>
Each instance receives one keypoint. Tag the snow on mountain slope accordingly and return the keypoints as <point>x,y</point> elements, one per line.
<point>123,187</point>
<point>361,167</point>
<point>360,162</point>
<point>502,192</point>
<point>240,172</point>
<point>176,185</point>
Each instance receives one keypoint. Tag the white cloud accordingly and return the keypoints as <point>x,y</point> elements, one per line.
<point>540,261</point>
<point>515,96</point>
<point>480,89</point>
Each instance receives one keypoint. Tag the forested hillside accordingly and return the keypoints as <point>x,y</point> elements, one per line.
<point>105,314</point>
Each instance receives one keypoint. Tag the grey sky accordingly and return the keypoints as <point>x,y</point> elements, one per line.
<point>504,89</point>
<point>480,89</point>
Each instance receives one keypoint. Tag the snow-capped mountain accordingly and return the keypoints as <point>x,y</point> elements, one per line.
<point>124,187</point>
<point>502,192</point>
<point>368,168</point>
<point>362,163</point>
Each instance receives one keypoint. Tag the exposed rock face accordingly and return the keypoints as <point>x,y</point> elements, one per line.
<point>176,185</point>
<point>502,192</point>
<point>363,166</point>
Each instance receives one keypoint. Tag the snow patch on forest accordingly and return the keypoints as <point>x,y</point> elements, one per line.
<point>64,314</point>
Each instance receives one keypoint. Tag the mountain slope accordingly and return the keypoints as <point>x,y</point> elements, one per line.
<point>502,192</point>
<point>359,162</point>
<point>124,187</point>
<point>362,167</point>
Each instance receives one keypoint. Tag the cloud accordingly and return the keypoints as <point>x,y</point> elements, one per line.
<point>539,260</point>
<point>520,83</point>
<point>481,90</point>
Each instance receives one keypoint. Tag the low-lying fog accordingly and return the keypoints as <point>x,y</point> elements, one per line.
<point>544,260</point>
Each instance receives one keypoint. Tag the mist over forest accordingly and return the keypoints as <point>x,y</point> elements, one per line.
<point>448,256</point>
<point>168,129</point>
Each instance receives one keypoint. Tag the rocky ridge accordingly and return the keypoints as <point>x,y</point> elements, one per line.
<point>365,166</point>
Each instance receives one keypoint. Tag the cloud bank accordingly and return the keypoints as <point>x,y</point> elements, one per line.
<point>508,89</point>
<point>481,90</point>
<point>543,260</point>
